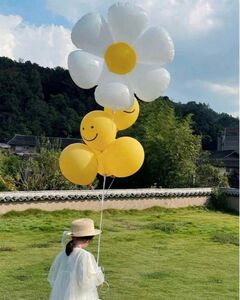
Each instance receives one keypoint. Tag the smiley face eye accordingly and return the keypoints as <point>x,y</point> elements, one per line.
<point>83,128</point>
<point>92,127</point>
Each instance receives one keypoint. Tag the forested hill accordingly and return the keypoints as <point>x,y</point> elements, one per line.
<point>43,101</point>
<point>206,122</point>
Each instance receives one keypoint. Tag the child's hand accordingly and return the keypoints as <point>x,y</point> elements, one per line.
<point>104,284</point>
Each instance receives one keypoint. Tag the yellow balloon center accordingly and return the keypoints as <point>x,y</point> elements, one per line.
<point>120,58</point>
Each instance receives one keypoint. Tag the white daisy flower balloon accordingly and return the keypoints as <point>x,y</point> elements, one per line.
<point>121,56</point>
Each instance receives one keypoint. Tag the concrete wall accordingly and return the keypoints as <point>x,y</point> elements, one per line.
<point>141,203</point>
<point>114,199</point>
<point>232,198</point>
<point>232,203</point>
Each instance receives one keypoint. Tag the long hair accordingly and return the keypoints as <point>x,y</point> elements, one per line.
<point>71,244</point>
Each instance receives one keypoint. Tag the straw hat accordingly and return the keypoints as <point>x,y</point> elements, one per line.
<point>83,227</point>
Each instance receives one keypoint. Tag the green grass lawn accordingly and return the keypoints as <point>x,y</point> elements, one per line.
<point>157,253</point>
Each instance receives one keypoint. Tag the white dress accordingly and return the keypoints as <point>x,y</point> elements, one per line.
<point>75,277</point>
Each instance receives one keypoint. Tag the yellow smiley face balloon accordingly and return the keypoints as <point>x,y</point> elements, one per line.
<point>98,130</point>
<point>125,118</point>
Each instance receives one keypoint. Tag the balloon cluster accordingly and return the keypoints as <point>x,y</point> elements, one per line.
<point>102,152</point>
<point>121,56</point>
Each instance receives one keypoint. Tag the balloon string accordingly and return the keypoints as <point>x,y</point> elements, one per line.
<point>101,219</point>
<point>101,209</point>
<point>110,185</point>
<point>92,188</point>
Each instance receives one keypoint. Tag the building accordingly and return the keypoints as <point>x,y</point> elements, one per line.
<point>226,158</point>
<point>229,139</point>
<point>227,161</point>
<point>4,147</point>
<point>29,144</point>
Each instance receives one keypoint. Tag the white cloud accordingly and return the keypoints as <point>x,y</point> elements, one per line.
<point>69,9</point>
<point>221,96</point>
<point>234,114</point>
<point>7,39</point>
<point>175,15</point>
<point>222,88</point>
<point>183,17</point>
<point>73,10</point>
<point>48,46</point>
<point>218,88</point>
<point>201,16</point>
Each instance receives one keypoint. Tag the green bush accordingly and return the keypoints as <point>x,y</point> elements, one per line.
<point>218,201</point>
<point>37,172</point>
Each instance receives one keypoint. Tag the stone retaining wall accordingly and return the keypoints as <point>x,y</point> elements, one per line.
<point>232,198</point>
<point>115,199</point>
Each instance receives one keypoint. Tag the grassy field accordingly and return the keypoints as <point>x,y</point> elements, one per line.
<point>152,254</point>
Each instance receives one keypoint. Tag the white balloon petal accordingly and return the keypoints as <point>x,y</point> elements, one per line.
<point>149,83</point>
<point>84,68</point>
<point>107,76</point>
<point>126,22</point>
<point>91,33</point>
<point>150,49</point>
<point>114,95</point>
<point>154,46</point>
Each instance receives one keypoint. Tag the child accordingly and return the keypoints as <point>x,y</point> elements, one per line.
<point>74,274</point>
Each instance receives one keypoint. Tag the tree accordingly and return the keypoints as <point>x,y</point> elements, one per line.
<point>171,149</point>
<point>9,172</point>
<point>42,172</point>
<point>206,122</point>
<point>37,172</point>
<point>208,175</point>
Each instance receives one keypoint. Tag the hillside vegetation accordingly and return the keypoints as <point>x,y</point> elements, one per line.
<point>43,101</point>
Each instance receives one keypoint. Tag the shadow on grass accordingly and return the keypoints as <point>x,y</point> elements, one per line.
<point>226,238</point>
<point>112,212</point>
<point>40,212</point>
<point>166,227</point>
<point>21,277</point>
<point>7,249</point>
<point>155,275</point>
<point>47,244</point>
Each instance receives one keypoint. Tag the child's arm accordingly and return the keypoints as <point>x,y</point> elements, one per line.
<point>89,274</point>
<point>99,277</point>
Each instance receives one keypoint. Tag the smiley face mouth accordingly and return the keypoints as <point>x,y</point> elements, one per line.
<point>129,112</point>
<point>91,139</point>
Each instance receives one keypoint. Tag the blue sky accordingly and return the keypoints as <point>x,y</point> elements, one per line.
<point>205,34</point>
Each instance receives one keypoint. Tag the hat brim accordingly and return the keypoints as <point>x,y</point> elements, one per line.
<point>81,234</point>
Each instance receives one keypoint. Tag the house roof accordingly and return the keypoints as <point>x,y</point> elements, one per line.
<point>88,195</point>
<point>232,131</point>
<point>4,146</point>
<point>31,140</point>
<point>226,154</point>
<point>23,140</point>
<point>229,158</point>
<point>93,195</point>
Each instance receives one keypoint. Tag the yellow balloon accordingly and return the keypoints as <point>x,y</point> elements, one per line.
<point>78,164</point>
<point>102,168</point>
<point>125,118</point>
<point>123,157</point>
<point>120,58</point>
<point>98,130</point>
